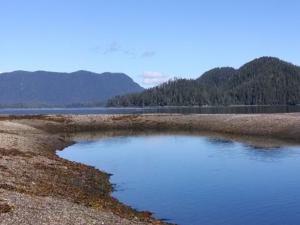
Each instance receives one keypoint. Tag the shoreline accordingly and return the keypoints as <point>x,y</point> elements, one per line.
<point>32,173</point>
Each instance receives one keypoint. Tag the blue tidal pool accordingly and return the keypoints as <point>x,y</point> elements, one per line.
<point>197,180</point>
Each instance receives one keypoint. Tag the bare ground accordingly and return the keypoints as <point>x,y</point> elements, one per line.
<point>38,187</point>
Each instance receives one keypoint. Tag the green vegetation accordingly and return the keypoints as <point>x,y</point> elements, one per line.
<point>263,81</point>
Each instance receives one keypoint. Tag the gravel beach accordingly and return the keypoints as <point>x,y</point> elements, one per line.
<point>38,187</point>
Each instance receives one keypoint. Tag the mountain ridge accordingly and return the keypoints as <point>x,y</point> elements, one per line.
<point>59,89</point>
<point>262,81</point>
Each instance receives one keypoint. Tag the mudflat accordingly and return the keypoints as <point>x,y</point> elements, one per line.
<point>38,187</point>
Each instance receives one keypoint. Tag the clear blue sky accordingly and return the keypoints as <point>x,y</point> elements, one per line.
<point>150,39</point>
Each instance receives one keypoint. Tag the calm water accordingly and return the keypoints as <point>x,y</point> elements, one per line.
<point>194,180</point>
<point>184,110</point>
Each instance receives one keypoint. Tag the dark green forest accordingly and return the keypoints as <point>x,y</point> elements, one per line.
<point>263,81</point>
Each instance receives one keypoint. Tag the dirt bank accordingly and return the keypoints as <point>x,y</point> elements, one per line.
<point>37,187</point>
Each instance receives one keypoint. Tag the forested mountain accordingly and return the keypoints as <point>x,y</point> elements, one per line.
<point>263,81</point>
<point>81,88</point>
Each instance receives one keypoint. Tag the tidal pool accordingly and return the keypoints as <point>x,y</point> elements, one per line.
<point>197,180</point>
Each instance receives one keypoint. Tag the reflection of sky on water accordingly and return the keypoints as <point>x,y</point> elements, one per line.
<point>199,180</point>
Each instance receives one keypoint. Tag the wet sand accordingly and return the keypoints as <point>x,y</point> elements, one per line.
<point>38,187</point>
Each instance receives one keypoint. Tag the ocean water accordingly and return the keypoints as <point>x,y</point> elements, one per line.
<point>183,110</point>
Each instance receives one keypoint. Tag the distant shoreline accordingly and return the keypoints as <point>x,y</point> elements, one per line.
<point>234,109</point>
<point>139,107</point>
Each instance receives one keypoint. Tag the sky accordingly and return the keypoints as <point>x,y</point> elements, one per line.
<point>150,40</point>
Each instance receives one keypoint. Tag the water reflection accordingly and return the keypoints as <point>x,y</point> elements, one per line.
<point>220,141</point>
<point>253,142</point>
<point>194,179</point>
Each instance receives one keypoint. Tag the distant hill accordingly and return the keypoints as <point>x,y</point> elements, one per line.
<point>263,81</point>
<point>49,89</point>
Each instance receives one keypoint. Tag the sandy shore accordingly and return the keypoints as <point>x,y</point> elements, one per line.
<point>38,187</point>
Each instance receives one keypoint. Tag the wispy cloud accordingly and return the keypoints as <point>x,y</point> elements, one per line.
<point>116,47</point>
<point>129,52</point>
<point>148,54</point>
<point>112,48</point>
<point>154,78</point>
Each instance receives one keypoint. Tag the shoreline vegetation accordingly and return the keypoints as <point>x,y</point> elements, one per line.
<point>102,105</point>
<point>38,187</point>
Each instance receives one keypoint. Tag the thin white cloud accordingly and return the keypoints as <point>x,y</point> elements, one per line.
<point>154,78</point>
<point>148,54</point>
<point>116,47</point>
<point>129,52</point>
<point>113,47</point>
